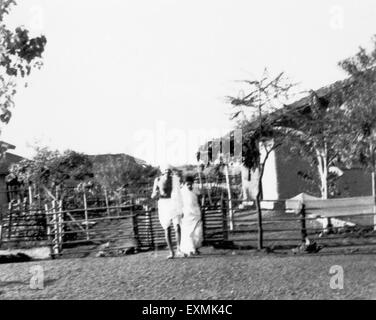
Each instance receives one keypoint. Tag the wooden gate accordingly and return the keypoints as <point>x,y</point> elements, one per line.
<point>150,234</point>
<point>55,227</point>
<point>214,220</point>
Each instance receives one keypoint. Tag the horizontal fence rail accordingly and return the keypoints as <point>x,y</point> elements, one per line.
<point>331,223</point>
<point>136,227</point>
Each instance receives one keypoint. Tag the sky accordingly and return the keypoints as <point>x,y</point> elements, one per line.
<point>149,78</point>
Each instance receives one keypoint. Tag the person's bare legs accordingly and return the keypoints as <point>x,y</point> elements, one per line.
<point>178,237</point>
<point>169,242</point>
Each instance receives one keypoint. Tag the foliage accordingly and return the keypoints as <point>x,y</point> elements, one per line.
<point>118,173</point>
<point>188,170</point>
<point>214,173</point>
<point>312,131</point>
<point>19,54</point>
<point>51,168</point>
<point>71,173</point>
<point>360,108</point>
<point>265,97</point>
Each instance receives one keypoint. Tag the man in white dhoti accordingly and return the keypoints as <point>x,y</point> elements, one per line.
<point>167,190</point>
<point>191,226</point>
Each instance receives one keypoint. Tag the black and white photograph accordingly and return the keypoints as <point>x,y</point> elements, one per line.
<point>204,152</point>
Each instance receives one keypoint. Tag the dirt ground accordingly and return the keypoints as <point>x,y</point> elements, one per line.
<point>216,274</point>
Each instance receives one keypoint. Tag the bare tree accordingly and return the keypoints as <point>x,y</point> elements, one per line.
<point>260,136</point>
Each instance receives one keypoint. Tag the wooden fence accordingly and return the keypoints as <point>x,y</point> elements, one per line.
<point>114,228</point>
<point>150,235</point>
<point>22,222</point>
<point>329,223</point>
<point>83,230</point>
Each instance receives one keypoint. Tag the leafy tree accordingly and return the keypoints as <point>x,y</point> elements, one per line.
<point>121,173</point>
<point>312,129</point>
<point>52,169</point>
<point>19,54</point>
<point>260,136</point>
<point>72,172</point>
<point>360,111</point>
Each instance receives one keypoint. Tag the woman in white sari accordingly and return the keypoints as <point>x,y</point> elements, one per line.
<point>191,226</point>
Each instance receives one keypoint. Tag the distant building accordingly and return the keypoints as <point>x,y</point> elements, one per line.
<point>287,175</point>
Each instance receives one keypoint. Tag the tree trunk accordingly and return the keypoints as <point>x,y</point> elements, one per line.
<point>322,158</point>
<point>259,196</point>
<point>323,172</point>
<point>259,215</point>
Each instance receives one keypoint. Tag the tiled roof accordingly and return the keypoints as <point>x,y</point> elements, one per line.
<point>281,115</point>
<point>321,93</point>
<point>6,145</point>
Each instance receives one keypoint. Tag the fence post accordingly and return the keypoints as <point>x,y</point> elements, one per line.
<point>60,224</point>
<point>39,197</point>
<point>224,218</point>
<point>10,210</point>
<point>303,223</point>
<point>57,227</point>
<point>135,226</point>
<point>106,199</point>
<point>30,196</point>
<point>49,235</point>
<point>150,227</point>
<point>228,186</point>
<point>118,204</point>
<point>1,232</point>
<point>86,216</point>
<point>1,224</point>
<point>55,223</point>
